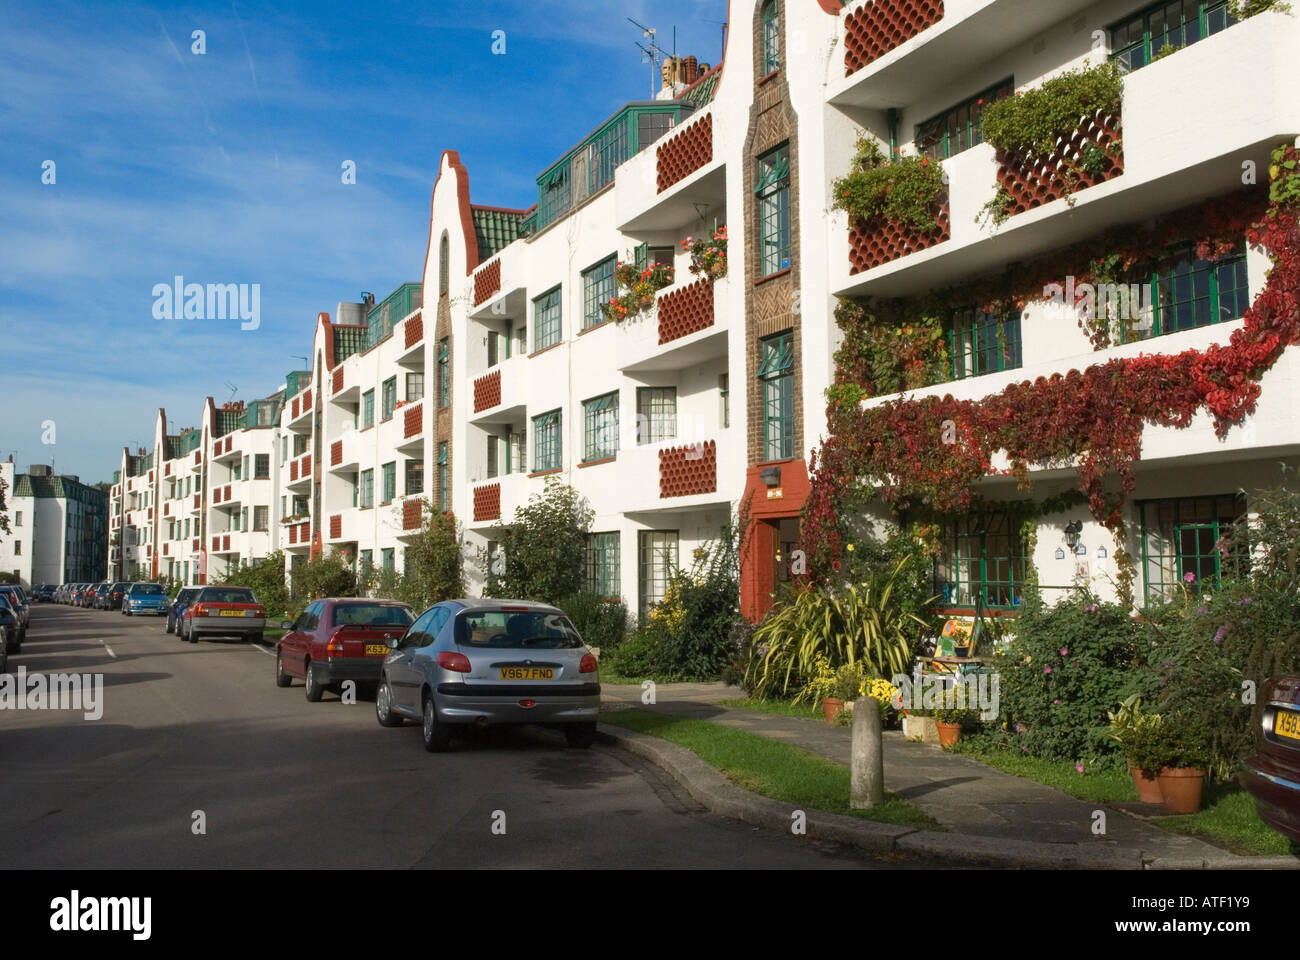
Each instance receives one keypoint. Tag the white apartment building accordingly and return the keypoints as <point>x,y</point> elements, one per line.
<point>57,527</point>
<point>498,369</point>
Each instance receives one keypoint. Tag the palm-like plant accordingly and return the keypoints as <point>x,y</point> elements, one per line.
<point>857,623</point>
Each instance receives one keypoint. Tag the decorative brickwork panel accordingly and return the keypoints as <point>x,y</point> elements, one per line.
<point>414,330</point>
<point>216,495</point>
<point>197,501</point>
<point>293,470</point>
<point>228,493</point>
<point>338,379</point>
<point>686,471</point>
<point>306,465</point>
<point>411,515</point>
<point>686,311</point>
<point>167,470</point>
<point>875,28</point>
<point>336,526</point>
<point>167,548</point>
<point>294,407</point>
<point>195,546</point>
<point>487,282</point>
<point>413,421</point>
<point>306,401</point>
<point>487,502</point>
<point>880,241</point>
<point>198,457</point>
<point>1032,184</point>
<point>225,543</point>
<point>336,453</point>
<point>487,391</point>
<point>681,155</point>
<point>216,544</point>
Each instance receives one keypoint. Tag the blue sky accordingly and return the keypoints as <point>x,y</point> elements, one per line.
<point>225,168</point>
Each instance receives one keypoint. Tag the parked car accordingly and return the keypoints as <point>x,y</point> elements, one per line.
<point>46,592</point>
<point>85,594</point>
<point>117,593</point>
<point>100,599</point>
<point>19,603</point>
<point>1272,775</point>
<point>489,662</point>
<point>146,598</point>
<point>224,612</point>
<point>176,609</point>
<point>14,631</point>
<point>339,639</point>
<point>65,593</point>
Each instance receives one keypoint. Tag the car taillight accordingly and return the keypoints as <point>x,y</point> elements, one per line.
<point>336,643</point>
<point>587,664</point>
<point>259,611</point>
<point>200,610</point>
<point>454,661</point>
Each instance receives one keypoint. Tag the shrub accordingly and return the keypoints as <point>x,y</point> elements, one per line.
<point>600,621</point>
<point>265,579</point>
<point>859,622</point>
<point>1032,123</point>
<point>432,569</point>
<point>544,547</point>
<point>325,575</point>
<point>905,190</point>
<point>636,657</point>
<point>1066,669</point>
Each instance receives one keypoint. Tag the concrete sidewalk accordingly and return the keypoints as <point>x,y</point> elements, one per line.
<point>965,796</point>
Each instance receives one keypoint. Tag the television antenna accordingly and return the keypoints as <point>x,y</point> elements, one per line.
<point>722,54</point>
<point>651,52</point>
<point>233,390</point>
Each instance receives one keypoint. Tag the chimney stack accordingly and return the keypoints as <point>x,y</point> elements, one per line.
<point>692,70</point>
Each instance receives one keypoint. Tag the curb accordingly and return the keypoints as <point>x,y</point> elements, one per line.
<point>720,796</point>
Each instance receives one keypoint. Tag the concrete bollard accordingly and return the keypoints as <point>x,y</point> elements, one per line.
<point>867,770</point>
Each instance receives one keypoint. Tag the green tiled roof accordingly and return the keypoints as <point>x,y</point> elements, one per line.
<point>347,341</point>
<point>262,413</point>
<point>296,382</point>
<point>702,93</point>
<point>117,476</point>
<point>23,485</point>
<point>191,440</point>
<point>495,229</point>
<point>382,317</point>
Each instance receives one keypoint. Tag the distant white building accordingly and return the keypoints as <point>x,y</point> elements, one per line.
<point>57,527</point>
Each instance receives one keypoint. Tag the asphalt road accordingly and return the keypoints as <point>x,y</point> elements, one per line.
<point>286,783</point>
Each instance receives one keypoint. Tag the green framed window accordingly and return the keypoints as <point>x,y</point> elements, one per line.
<point>1164,27</point>
<point>387,559</point>
<point>600,427</point>
<point>389,398</point>
<point>609,149</point>
<point>444,372</point>
<point>262,466</point>
<point>547,446</point>
<point>1191,293</point>
<point>367,561</point>
<point>546,319</point>
<point>598,288</point>
<point>414,387</point>
<point>602,564</point>
<point>367,488</point>
<point>414,477</point>
<point>367,412</point>
<point>444,485</point>
<point>959,127</point>
<point>390,481</point>
<point>981,343</point>
<point>982,562</point>
<point>1180,540</point>
<point>656,560</point>
<point>773,192</point>
<point>776,372</point>
<point>771,37</point>
<point>493,446</point>
<point>724,399</point>
<point>656,414</point>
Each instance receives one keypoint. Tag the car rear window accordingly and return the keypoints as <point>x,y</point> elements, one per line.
<point>365,614</point>
<point>504,629</point>
<point>185,595</point>
<point>227,595</point>
<point>149,588</point>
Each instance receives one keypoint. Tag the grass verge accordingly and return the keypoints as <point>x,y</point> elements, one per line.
<point>767,767</point>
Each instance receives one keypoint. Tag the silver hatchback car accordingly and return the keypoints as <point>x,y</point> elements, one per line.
<point>489,662</point>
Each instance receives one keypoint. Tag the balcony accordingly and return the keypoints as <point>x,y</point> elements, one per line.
<point>893,58</point>
<point>499,292</point>
<point>412,418</point>
<point>300,472</point>
<point>688,473</point>
<point>299,412</point>
<point>501,393</point>
<point>411,336</point>
<point>342,527</point>
<point>196,503</point>
<point>493,501</point>
<point>223,449</point>
<point>343,455</point>
<point>196,463</point>
<point>298,535</point>
<point>687,328</point>
<point>667,188</point>
<point>1172,158</point>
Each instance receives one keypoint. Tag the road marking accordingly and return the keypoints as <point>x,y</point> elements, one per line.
<point>109,649</point>
<point>261,649</point>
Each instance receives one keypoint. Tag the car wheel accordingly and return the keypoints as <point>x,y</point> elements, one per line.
<point>256,638</point>
<point>437,738</point>
<point>282,679</point>
<point>314,689</point>
<point>580,735</point>
<point>384,706</point>
<point>12,643</point>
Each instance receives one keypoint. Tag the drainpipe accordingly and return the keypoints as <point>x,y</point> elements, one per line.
<point>891,117</point>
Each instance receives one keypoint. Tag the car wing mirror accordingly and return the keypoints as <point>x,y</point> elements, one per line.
<point>286,625</point>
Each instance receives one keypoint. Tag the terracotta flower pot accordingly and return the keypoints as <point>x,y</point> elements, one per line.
<point>831,706</point>
<point>1181,788</point>
<point>949,733</point>
<point>1148,787</point>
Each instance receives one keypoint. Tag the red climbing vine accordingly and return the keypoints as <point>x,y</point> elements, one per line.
<point>931,453</point>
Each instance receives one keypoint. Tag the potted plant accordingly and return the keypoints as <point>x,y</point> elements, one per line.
<point>1131,728</point>
<point>1178,747</point>
<point>960,634</point>
<point>949,723</point>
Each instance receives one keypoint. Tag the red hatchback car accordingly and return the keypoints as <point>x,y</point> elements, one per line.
<point>339,639</point>
<point>1273,774</point>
